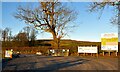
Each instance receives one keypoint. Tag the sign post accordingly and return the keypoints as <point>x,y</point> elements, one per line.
<point>97,54</point>
<point>109,53</point>
<point>103,53</point>
<point>84,54</point>
<point>116,53</point>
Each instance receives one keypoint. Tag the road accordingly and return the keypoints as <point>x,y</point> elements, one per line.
<point>34,62</point>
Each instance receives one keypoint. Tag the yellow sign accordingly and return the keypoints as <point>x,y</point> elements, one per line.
<point>109,41</point>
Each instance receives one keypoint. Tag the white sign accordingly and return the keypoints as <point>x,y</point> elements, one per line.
<point>38,53</point>
<point>88,49</point>
<point>109,41</point>
<point>8,53</point>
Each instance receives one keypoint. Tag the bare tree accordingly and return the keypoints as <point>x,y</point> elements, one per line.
<point>33,35</point>
<point>27,31</point>
<point>5,34</point>
<point>21,38</point>
<point>100,6</point>
<point>52,17</point>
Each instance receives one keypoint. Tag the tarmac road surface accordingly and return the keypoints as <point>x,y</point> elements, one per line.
<point>35,62</point>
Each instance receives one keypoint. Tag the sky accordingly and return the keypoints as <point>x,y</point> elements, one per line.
<point>90,26</point>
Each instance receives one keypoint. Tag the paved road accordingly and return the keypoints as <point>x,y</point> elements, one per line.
<point>33,62</point>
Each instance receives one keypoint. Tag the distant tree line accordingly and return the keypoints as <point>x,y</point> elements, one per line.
<point>25,37</point>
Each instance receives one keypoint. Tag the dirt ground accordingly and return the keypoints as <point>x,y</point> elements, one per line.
<point>49,63</point>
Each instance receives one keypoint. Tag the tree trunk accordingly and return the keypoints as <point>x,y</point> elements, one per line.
<point>56,43</point>
<point>56,40</point>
